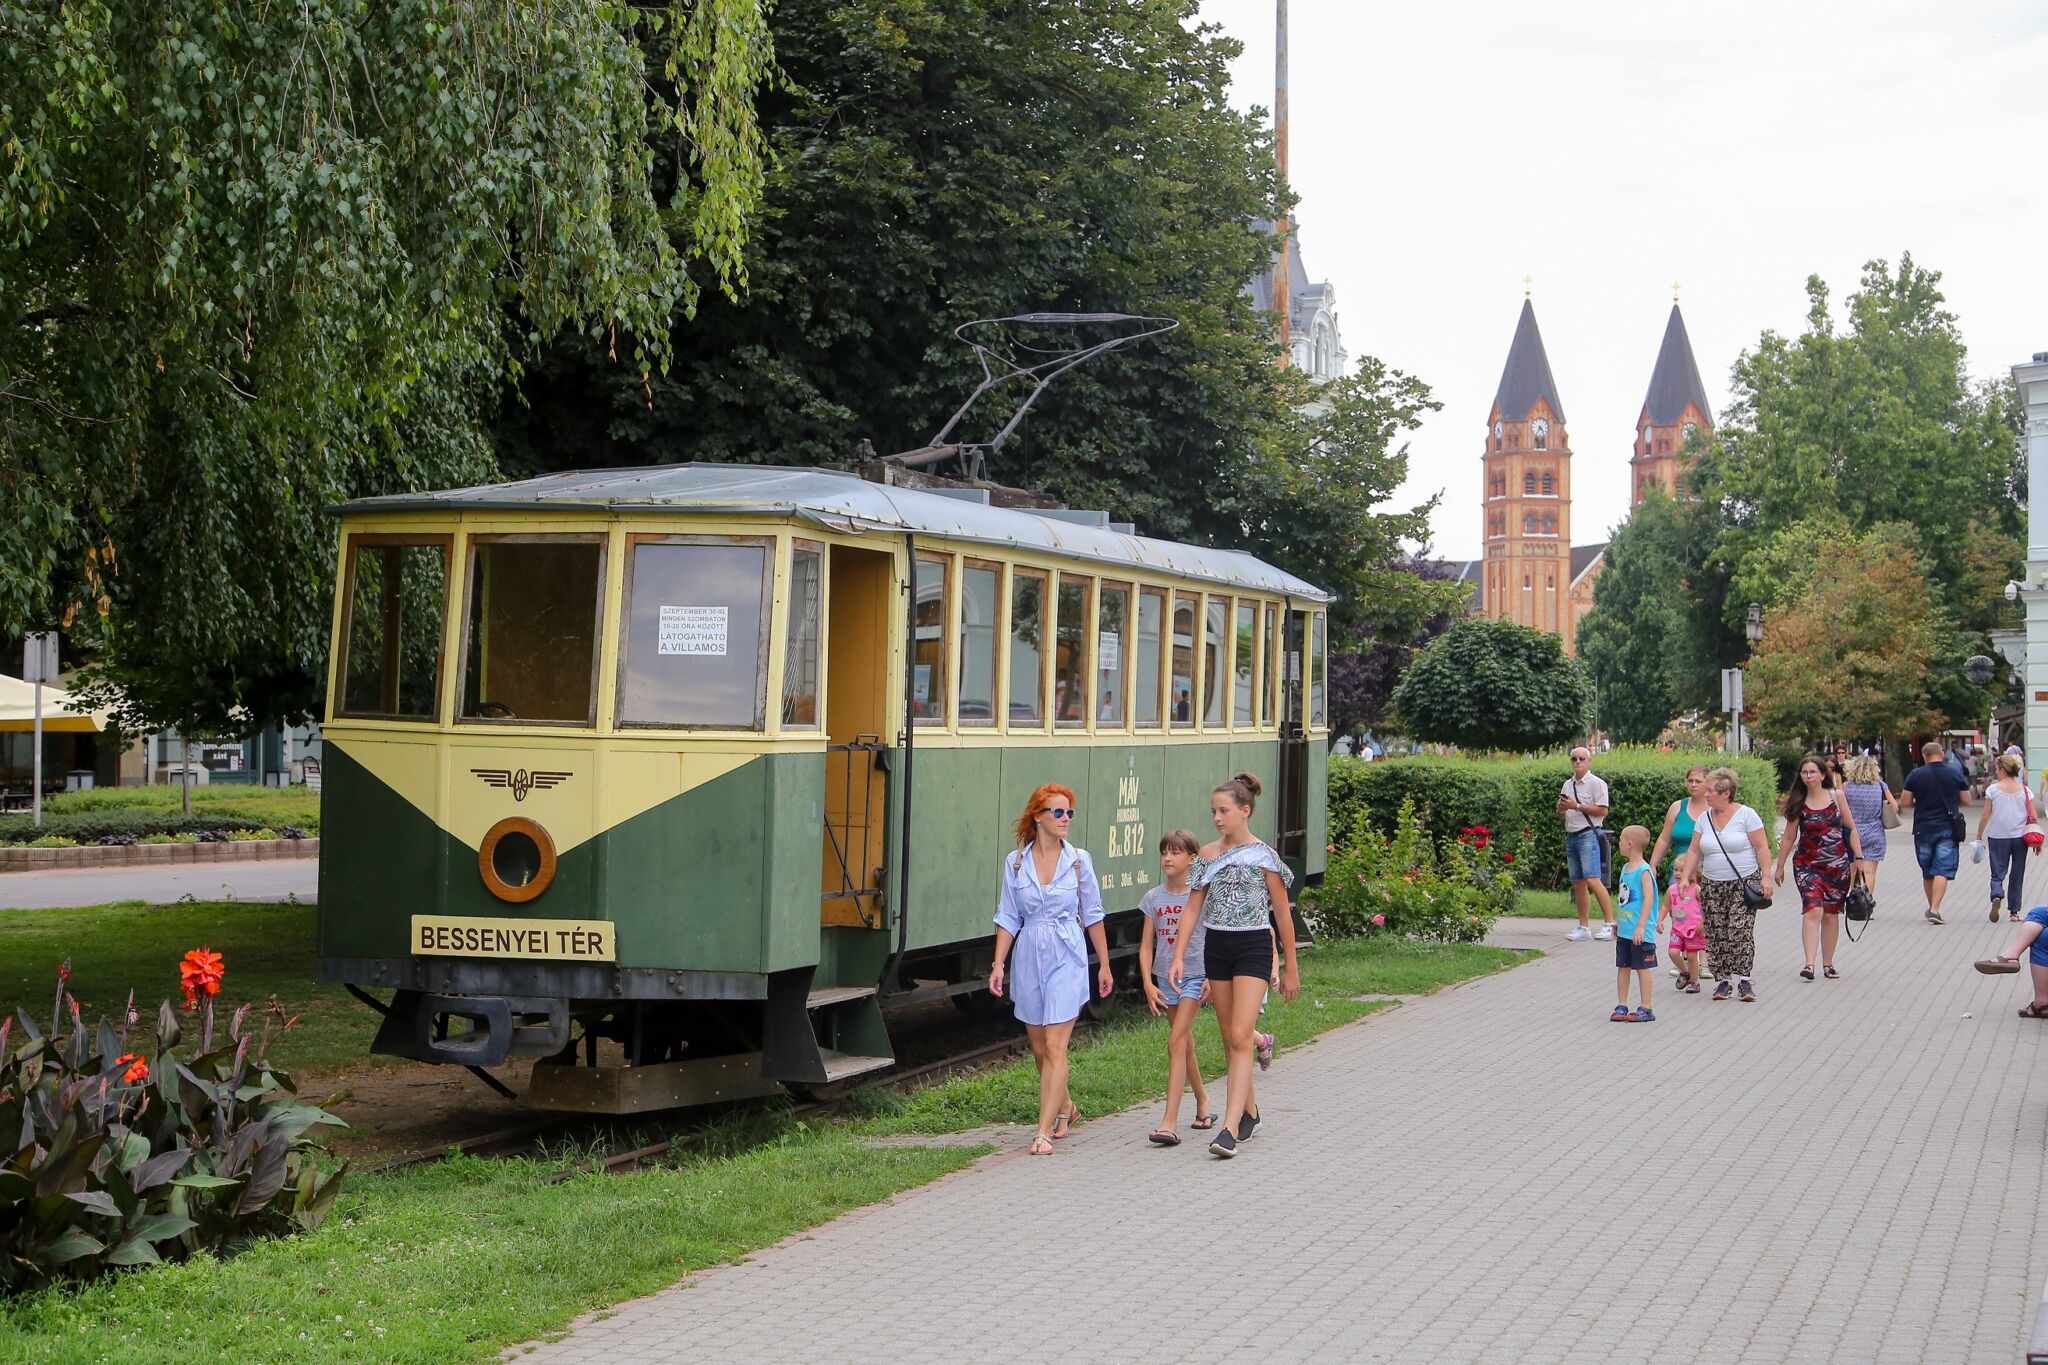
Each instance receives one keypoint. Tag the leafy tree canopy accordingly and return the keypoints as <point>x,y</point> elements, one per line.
<point>1367,661</point>
<point>938,163</point>
<point>261,259</point>
<point>1487,684</point>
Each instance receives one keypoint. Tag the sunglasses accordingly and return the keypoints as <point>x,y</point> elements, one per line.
<point>1060,812</point>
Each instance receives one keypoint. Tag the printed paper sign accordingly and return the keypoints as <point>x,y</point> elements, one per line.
<point>692,630</point>
<point>1106,647</point>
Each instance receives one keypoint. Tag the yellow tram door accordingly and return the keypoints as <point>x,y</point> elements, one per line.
<point>860,710</point>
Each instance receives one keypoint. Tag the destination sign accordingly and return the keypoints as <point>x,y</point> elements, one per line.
<point>576,940</point>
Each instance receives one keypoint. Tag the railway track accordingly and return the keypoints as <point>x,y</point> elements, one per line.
<point>532,1138</point>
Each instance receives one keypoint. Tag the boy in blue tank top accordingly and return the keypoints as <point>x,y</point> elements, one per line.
<point>1635,936</point>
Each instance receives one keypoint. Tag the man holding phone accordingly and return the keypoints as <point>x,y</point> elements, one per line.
<point>1583,803</point>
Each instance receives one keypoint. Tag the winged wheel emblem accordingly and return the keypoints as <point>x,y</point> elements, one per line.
<point>520,781</point>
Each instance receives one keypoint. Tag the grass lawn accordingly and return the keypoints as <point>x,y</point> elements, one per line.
<point>1549,905</point>
<point>456,1261</point>
<point>113,948</point>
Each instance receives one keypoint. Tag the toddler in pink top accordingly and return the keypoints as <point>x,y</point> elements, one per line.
<point>1688,943</point>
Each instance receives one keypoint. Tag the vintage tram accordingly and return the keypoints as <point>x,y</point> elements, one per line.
<point>674,777</point>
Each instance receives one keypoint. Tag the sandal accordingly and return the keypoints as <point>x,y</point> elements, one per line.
<point>1041,1145</point>
<point>1998,966</point>
<point>1265,1051</point>
<point>1165,1137</point>
<point>1204,1121</point>
<point>2037,1010</point>
<point>1064,1124</point>
<point>1806,972</point>
<point>1830,973</point>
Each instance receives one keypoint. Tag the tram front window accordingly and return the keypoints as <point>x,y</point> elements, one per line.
<point>692,653</point>
<point>397,594</point>
<point>530,650</point>
<point>1215,658</point>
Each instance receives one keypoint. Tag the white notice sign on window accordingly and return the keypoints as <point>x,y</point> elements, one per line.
<point>692,630</point>
<point>1107,650</point>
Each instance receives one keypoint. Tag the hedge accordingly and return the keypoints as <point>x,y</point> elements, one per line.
<point>89,827</point>
<point>1509,796</point>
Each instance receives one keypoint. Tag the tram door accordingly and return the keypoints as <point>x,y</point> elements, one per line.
<point>1294,757</point>
<point>859,605</point>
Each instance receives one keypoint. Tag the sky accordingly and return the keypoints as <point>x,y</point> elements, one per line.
<point>1443,152</point>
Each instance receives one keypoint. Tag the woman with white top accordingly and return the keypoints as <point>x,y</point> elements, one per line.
<point>1730,849</point>
<point>1049,909</point>
<point>2003,826</point>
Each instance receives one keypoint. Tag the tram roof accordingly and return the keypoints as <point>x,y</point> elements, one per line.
<point>843,501</point>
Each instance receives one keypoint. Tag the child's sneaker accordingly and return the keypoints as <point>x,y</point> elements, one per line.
<point>1692,986</point>
<point>1621,1015</point>
<point>1265,1041</point>
<point>1645,1016</point>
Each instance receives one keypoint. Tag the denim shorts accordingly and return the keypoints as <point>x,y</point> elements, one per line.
<point>1190,989</point>
<point>1582,860</point>
<point>2038,954</point>
<point>1937,853</point>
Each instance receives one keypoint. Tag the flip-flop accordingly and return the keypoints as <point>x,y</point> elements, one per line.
<point>1998,966</point>
<point>1204,1122</point>
<point>1165,1137</point>
<point>1063,1123</point>
<point>2036,1010</point>
<point>1041,1145</point>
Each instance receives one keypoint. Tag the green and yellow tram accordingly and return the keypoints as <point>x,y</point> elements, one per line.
<point>673,777</point>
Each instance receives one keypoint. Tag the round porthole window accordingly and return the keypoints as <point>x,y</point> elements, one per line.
<point>516,859</point>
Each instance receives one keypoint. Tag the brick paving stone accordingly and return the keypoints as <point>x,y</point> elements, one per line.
<point>1844,1170</point>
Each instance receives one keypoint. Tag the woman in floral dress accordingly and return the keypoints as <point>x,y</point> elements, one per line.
<point>1823,857</point>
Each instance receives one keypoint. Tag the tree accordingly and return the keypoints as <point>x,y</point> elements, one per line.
<point>1368,659</point>
<point>262,259</point>
<point>941,163</point>
<point>1632,638</point>
<point>1850,645</point>
<point>1495,685</point>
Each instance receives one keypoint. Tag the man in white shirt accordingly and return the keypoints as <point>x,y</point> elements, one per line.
<point>1583,802</point>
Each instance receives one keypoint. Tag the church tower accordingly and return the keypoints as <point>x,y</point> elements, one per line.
<point>1674,406</point>
<point>1528,492</point>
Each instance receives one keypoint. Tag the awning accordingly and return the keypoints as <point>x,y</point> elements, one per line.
<point>17,710</point>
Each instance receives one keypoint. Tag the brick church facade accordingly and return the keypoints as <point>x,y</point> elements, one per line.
<point>1531,573</point>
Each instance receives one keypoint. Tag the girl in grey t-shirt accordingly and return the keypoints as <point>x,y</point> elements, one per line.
<point>1162,907</point>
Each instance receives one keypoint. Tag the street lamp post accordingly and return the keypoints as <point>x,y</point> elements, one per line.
<point>1753,631</point>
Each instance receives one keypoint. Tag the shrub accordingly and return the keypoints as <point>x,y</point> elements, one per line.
<point>53,841</point>
<point>157,839</point>
<point>1405,884</point>
<point>114,1151</point>
<point>1516,798</point>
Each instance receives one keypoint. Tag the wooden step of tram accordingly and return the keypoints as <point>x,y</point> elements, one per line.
<point>823,997</point>
<point>840,1066</point>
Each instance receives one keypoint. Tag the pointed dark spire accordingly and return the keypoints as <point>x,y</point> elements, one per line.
<point>1676,380</point>
<point>1527,376</point>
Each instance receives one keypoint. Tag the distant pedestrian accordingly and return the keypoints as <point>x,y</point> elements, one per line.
<point>1936,792</point>
<point>1730,851</point>
<point>2026,938</point>
<point>1868,797</point>
<point>1239,894</point>
<point>1163,907</point>
<point>2008,810</point>
<point>1635,939</point>
<point>1583,802</point>
<point>1838,764</point>
<point>1820,839</point>
<point>1049,909</point>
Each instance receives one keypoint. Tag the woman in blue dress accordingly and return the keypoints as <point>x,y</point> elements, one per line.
<point>1048,910</point>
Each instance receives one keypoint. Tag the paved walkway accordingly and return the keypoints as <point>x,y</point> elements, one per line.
<point>271,881</point>
<point>1848,1170</point>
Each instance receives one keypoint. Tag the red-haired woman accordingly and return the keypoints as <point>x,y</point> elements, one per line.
<point>1048,902</point>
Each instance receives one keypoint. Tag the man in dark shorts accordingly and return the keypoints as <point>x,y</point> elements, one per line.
<point>1936,792</point>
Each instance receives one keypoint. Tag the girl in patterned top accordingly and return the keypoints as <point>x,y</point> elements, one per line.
<point>1239,895</point>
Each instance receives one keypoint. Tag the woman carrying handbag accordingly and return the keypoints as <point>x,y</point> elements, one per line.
<point>1730,860</point>
<point>1874,810</point>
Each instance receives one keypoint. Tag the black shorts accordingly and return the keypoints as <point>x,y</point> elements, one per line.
<point>1631,956</point>
<point>1237,952</point>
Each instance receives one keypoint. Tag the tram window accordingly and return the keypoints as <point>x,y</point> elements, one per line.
<point>981,588</point>
<point>693,647</point>
<point>1070,653</point>
<point>1182,694</point>
<point>1112,654</point>
<point>1270,679</point>
<point>530,651</point>
<point>397,595</point>
<point>800,644</point>
<point>1027,656</point>
<point>1145,661</point>
<point>1215,658</point>
<point>928,650</point>
<point>1318,669</point>
<point>1245,671</point>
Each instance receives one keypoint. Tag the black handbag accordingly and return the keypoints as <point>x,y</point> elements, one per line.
<point>1858,909</point>
<point>1753,896</point>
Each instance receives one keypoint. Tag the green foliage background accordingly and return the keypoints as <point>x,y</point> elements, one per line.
<point>1486,684</point>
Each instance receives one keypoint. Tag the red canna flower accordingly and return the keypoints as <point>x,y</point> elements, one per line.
<point>64,971</point>
<point>1507,857</point>
<point>200,973</point>
<point>137,1071</point>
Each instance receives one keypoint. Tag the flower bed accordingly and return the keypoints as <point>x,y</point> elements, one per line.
<point>156,851</point>
<point>1407,884</point>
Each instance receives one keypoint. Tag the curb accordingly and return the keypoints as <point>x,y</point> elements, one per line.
<point>155,855</point>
